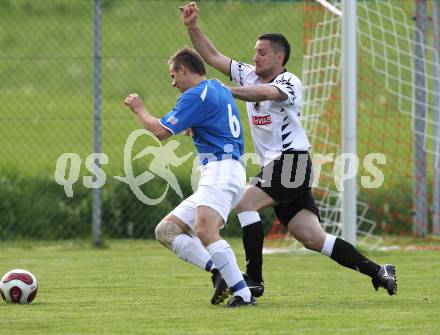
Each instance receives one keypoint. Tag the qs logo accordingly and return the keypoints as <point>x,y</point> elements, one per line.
<point>163,157</point>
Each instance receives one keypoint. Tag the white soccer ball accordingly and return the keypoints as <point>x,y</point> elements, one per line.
<point>18,286</point>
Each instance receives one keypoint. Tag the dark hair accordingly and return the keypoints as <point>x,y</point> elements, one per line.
<point>278,42</point>
<point>190,59</point>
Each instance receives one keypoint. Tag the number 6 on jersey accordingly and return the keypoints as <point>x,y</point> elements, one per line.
<point>234,125</point>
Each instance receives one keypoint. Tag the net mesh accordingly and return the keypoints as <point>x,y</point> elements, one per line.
<point>397,115</point>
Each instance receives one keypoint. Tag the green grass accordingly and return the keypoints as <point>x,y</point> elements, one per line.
<point>138,287</point>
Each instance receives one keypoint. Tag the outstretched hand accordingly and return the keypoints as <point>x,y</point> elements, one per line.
<point>189,13</point>
<point>134,102</point>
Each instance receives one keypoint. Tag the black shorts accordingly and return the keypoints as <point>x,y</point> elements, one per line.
<point>289,187</point>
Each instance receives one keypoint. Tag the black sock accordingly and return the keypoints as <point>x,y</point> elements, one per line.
<point>347,255</point>
<point>253,237</point>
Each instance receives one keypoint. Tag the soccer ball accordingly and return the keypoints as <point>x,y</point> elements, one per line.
<point>18,286</point>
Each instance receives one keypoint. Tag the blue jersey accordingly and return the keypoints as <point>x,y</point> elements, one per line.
<point>210,111</point>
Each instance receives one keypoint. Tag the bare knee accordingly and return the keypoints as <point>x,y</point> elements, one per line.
<point>207,225</point>
<point>201,232</point>
<point>245,205</point>
<point>202,228</point>
<point>166,232</point>
<point>305,227</point>
<point>314,243</point>
<point>206,234</point>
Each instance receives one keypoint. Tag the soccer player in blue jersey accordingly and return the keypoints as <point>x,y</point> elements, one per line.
<point>208,109</point>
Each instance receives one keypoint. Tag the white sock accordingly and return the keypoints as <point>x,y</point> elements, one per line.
<point>329,243</point>
<point>210,264</point>
<point>224,260</point>
<point>192,251</point>
<point>247,218</point>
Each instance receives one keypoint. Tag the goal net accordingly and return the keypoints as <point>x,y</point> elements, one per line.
<point>398,116</point>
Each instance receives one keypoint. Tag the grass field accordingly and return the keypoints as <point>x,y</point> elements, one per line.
<point>138,287</point>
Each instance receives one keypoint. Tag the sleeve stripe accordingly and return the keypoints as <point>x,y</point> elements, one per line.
<point>230,70</point>
<point>172,132</point>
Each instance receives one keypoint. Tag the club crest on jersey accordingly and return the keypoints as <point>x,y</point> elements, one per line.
<point>173,120</point>
<point>261,120</point>
<point>257,106</point>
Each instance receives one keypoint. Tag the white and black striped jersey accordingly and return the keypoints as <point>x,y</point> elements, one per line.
<point>275,125</point>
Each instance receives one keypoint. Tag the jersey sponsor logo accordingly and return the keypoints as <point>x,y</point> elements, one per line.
<point>261,120</point>
<point>173,120</point>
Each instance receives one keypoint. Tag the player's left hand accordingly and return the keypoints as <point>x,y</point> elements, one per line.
<point>134,102</point>
<point>189,13</point>
<point>188,132</point>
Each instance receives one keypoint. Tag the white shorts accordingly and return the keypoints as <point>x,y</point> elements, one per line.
<point>220,187</point>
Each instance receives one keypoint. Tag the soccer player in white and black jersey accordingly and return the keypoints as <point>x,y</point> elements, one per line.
<point>273,101</point>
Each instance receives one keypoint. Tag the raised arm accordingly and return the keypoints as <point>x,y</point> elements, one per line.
<point>201,42</point>
<point>134,102</point>
<point>258,93</point>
